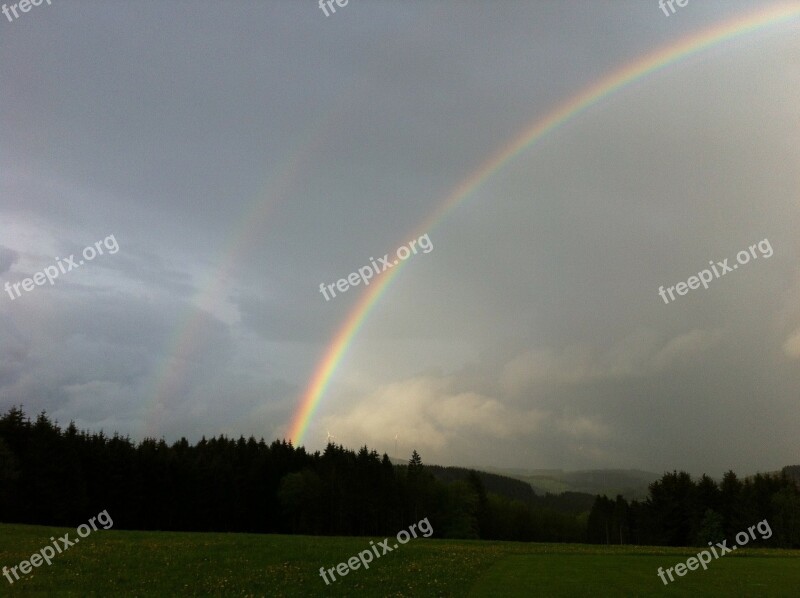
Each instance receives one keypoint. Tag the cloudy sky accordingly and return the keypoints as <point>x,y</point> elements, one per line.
<point>242,153</point>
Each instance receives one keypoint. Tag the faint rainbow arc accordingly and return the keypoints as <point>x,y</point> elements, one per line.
<point>186,336</point>
<point>572,107</point>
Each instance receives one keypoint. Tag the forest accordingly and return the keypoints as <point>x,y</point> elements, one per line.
<point>51,475</point>
<point>680,511</point>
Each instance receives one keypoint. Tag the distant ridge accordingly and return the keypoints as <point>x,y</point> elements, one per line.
<point>630,483</point>
<point>493,483</point>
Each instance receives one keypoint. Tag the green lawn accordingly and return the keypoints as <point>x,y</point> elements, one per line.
<point>119,563</point>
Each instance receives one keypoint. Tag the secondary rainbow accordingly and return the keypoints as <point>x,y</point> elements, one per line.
<point>572,107</point>
<point>186,339</point>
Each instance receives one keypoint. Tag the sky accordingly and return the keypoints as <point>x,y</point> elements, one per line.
<point>238,155</point>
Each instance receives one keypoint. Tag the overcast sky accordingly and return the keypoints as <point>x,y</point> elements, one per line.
<point>242,153</point>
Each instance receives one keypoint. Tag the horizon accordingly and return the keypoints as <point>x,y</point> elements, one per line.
<point>396,460</point>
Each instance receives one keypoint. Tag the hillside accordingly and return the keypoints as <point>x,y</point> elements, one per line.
<point>630,483</point>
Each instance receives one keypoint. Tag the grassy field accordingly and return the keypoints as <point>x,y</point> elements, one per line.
<point>120,563</point>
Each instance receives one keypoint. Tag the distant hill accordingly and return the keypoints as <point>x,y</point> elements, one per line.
<point>568,502</point>
<point>630,483</point>
<point>565,491</point>
<point>493,483</point>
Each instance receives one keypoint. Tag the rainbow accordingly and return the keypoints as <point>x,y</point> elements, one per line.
<point>573,106</point>
<point>187,337</point>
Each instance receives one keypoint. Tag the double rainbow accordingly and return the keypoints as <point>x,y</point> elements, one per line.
<point>538,129</point>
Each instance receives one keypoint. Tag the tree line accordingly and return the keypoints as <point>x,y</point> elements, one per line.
<point>51,475</point>
<point>680,511</point>
<point>55,476</point>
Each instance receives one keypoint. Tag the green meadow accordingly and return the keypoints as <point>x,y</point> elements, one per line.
<point>122,563</point>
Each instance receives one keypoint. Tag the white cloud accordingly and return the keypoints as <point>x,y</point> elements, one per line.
<point>428,410</point>
<point>792,345</point>
<point>636,355</point>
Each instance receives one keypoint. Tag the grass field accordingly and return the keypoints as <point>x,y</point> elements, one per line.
<point>120,563</point>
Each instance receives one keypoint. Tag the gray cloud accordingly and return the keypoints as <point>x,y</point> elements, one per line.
<point>243,156</point>
<point>8,257</point>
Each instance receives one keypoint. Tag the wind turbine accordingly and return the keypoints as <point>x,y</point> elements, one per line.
<point>330,437</point>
